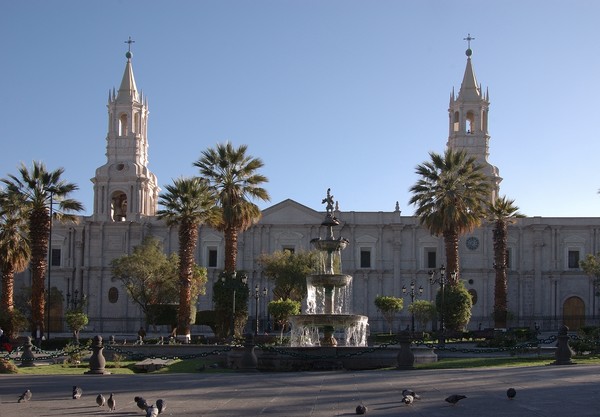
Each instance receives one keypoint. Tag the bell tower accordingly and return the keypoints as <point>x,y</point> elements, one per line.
<point>124,187</point>
<point>468,122</point>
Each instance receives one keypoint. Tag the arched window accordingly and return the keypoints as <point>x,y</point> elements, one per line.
<point>470,122</point>
<point>456,121</point>
<point>119,206</point>
<point>123,125</point>
<point>136,125</point>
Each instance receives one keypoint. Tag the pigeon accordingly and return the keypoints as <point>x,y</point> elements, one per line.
<point>410,392</point>
<point>77,392</point>
<point>454,398</point>
<point>152,411</point>
<point>26,396</point>
<point>111,402</point>
<point>161,405</point>
<point>100,400</point>
<point>141,403</point>
<point>510,393</point>
<point>361,409</point>
<point>408,399</point>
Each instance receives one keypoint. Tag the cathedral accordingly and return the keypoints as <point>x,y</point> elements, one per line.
<point>386,252</point>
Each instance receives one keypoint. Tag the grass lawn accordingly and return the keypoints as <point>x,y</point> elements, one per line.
<point>123,368</point>
<point>457,363</point>
<point>204,365</point>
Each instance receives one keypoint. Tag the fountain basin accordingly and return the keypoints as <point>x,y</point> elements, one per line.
<point>329,280</point>
<point>323,329</point>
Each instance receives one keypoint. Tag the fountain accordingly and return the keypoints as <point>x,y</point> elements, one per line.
<point>328,301</point>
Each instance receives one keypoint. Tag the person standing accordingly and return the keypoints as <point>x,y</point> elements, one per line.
<point>141,335</point>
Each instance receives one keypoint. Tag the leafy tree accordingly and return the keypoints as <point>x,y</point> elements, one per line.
<point>151,277</point>
<point>230,296</point>
<point>389,307</point>
<point>424,311</point>
<point>14,253</point>
<point>76,317</point>
<point>281,310</point>
<point>456,306</point>
<point>76,320</point>
<point>502,212</point>
<point>188,203</point>
<point>451,199</point>
<point>288,270</point>
<point>39,188</point>
<point>234,177</point>
<point>591,266</point>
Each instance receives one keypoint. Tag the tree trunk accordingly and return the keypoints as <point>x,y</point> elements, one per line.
<point>501,285</point>
<point>188,237</point>
<point>452,262</point>
<point>8,292</point>
<point>231,237</point>
<point>39,233</point>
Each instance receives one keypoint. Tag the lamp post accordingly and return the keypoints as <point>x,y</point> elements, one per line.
<point>412,293</point>
<point>233,285</point>
<point>74,302</point>
<point>442,280</point>
<point>256,298</point>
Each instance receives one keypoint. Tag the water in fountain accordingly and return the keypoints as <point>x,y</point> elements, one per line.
<point>329,292</point>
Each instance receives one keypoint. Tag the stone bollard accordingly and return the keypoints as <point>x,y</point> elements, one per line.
<point>406,358</point>
<point>563,350</point>
<point>27,356</point>
<point>112,340</point>
<point>249,361</point>
<point>97,360</point>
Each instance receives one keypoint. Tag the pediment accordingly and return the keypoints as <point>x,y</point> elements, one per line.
<point>290,212</point>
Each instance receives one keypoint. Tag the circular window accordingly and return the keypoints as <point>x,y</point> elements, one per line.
<point>120,167</point>
<point>472,243</point>
<point>113,295</point>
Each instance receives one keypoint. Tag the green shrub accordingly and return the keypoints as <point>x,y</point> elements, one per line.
<point>12,323</point>
<point>207,318</point>
<point>457,306</point>
<point>7,367</point>
<point>588,340</point>
<point>117,360</point>
<point>163,314</point>
<point>389,307</point>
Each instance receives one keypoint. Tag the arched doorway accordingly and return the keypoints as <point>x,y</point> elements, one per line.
<point>574,313</point>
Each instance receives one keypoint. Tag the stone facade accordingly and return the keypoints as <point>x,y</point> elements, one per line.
<point>386,251</point>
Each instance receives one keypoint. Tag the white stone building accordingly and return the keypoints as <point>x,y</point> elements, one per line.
<point>386,251</point>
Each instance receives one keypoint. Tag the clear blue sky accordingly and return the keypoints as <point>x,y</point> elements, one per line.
<point>345,94</point>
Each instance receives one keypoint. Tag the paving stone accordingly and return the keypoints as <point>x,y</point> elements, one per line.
<point>550,391</point>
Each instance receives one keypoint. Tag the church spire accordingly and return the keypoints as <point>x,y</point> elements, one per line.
<point>124,188</point>
<point>469,88</point>
<point>128,89</point>
<point>468,113</point>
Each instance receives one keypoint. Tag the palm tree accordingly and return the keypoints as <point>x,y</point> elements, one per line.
<point>14,253</point>
<point>502,212</point>
<point>233,176</point>
<point>451,199</point>
<point>188,203</point>
<point>39,188</point>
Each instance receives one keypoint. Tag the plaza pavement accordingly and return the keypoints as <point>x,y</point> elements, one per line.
<point>569,390</point>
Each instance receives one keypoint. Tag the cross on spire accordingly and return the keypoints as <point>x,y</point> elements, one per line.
<point>129,41</point>
<point>468,39</point>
